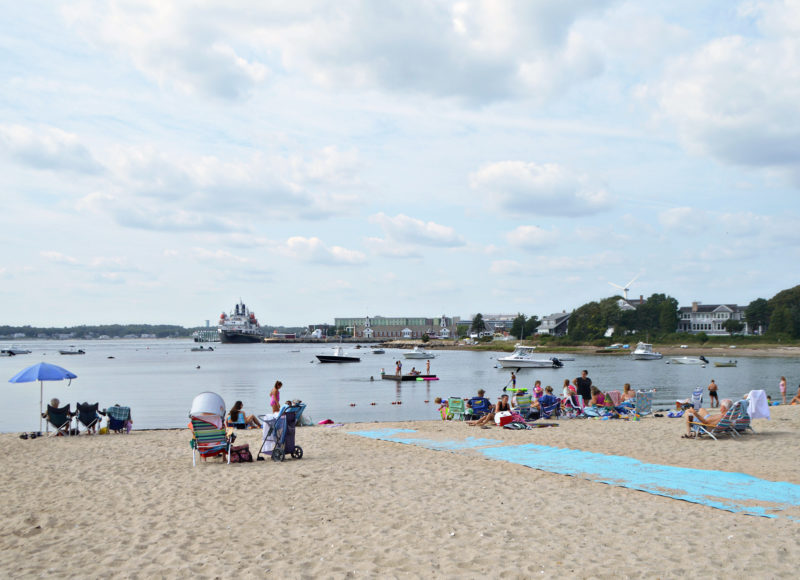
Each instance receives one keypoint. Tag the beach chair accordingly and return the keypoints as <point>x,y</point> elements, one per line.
<point>549,407</point>
<point>573,407</point>
<point>238,422</point>
<point>741,419</point>
<point>457,408</point>
<point>616,397</point>
<point>724,427</point>
<point>644,402</point>
<point>479,406</point>
<point>697,398</point>
<point>60,418</point>
<point>118,418</point>
<point>523,405</point>
<point>87,415</point>
<point>209,440</point>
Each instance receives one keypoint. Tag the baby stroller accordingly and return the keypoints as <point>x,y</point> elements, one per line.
<point>278,434</point>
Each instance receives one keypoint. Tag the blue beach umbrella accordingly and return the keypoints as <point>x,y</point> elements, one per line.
<point>42,372</point>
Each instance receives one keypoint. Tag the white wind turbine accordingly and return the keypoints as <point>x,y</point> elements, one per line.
<point>627,286</point>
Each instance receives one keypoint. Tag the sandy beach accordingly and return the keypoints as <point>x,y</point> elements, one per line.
<point>134,507</point>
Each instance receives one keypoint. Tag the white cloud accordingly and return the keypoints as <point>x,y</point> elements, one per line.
<point>404,229</point>
<point>543,189</point>
<point>502,267</point>
<point>315,251</point>
<point>48,148</point>
<point>391,249</point>
<point>58,257</point>
<point>532,237</point>
<point>686,219</point>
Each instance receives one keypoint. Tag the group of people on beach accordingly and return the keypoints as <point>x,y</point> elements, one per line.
<point>251,420</point>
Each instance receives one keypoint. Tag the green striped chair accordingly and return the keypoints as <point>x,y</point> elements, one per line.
<point>209,441</point>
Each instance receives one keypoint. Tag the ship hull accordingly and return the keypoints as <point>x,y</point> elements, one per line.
<point>232,337</point>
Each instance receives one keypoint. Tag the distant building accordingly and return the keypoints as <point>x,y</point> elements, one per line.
<point>554,324</point>
<point>710,318</point>
<point>381,327</point>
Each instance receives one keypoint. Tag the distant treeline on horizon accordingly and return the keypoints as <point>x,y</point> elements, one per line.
<point>113,331</point>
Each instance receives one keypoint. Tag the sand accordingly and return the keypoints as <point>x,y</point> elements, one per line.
<point>134,507</point>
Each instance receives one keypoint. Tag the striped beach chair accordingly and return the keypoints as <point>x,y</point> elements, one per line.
<point>208,440</point>
<point>725,425</point>
<point>456,408</point>
<point>644,403</point>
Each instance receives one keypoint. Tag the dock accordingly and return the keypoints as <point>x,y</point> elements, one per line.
<point>410,377</point>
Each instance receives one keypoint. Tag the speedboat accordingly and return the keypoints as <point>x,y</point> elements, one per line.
<point>378,351</point>
<point>644,351</point>
<point>338,356</point>
<point>72,351</point>
<point>730,363</point>
<point>419,353</point>
<point>525,357</point>
<point>202,349</point>
<point>690,360</point>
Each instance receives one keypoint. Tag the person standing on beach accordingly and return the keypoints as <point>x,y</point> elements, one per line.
<point>275,397</point>
<point>782,387</point>
<point>584,384</point>
<point>712,393</point>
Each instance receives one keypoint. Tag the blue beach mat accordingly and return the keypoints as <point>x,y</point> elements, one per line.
<point>733,492</point>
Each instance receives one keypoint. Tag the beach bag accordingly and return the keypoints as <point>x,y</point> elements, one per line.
<point>241,454</point>
<point>503,418</point>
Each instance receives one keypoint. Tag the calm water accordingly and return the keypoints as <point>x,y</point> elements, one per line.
<point>159,378</point>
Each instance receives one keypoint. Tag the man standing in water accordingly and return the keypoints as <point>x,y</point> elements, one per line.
<point>584,384</point>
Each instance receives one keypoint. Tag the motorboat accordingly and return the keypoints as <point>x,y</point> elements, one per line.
<point>525,357</point>
<point>202,349</point>
<point>16,351</point>
<point>378,351</point>
<point>730,363</point>
<point>418,352</point>
<point>338,356</point>
<point>644,351</point>
<point>689,360</point>
<point>72,351</point>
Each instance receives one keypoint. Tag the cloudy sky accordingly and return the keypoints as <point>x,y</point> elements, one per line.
<point>161,159</point>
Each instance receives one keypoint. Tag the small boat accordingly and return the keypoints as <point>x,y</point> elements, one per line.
<point>524,357</point>
<point>378,351</point>
<point>15,351</point>
<point>202,349</point>
<point>72,351</point>
<point>690,360</point>
<point>730,363</point>
<point>418,352</point>
<point>644,351</point>
<point>6,353</point>
<point>338,356</point>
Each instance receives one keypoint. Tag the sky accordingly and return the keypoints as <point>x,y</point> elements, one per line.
<point>160,160</point>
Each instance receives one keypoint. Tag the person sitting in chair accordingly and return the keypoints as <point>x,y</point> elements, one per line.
<point>249,420</point>
<point>501,405</point>
<point>705,417</point>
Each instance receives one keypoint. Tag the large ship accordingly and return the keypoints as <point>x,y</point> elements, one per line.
<point>240,326</point>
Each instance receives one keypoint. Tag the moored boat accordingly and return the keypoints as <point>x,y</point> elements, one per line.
<point>730,363</point>
<point>644,351</point>
<point>419,353</point>
<point>689,360</point>
<point>525,357</point>
<point>72,351</point>
<point>338,356</point>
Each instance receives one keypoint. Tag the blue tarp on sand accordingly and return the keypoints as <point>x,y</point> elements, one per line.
<point>735,492</point>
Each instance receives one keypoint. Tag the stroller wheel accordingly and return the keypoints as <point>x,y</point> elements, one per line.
<point>278,454</point>
<point>298,452</point>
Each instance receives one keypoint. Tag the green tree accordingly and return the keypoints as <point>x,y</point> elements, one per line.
<point>478,325</point>
<point>425,337</point>
<point>518,327</point>
<point>531,325</point>
<point>781,321</point>
<point>668,316</point>
<point>757,315</point>
<point>733,326</point>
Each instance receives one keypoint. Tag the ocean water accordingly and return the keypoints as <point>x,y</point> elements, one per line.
<point>159,378</point>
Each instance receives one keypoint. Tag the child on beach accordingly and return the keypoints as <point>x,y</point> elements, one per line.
<point>275,397</point>
<point>782,387</point>
<point>443,408</point>
<point>796,399</point>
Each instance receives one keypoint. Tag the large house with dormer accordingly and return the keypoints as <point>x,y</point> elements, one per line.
<point>709,318</point>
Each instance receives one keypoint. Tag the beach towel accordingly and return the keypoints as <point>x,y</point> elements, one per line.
<point>757,406</point>
<point>616,397</point>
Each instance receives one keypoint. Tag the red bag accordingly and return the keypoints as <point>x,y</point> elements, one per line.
<point>241,454</point>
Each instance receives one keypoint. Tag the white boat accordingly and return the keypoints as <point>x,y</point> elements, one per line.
<point>419,353</point>
<point>689,360</point>
<point>644,351</point>
<point>72,351</point>
<point>525,357</point>
<point>202,349</point>
<point>241,326</point>
<point>338,356</point>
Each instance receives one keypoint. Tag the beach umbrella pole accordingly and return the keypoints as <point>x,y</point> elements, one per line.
<point>41,392</point>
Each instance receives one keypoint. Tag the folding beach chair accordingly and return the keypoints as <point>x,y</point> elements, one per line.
<point>697,398</point>
<point>644,402</point>
<point>118,418</point>
<point>573,406</point>
<point>457,408</point>
<point>87,415</point>
<point>60,418</point>
<point>725,425</point>
<point>209,440</point>
<point>478,407</point>
<point>741,419</point>
<point>523,405</point>
<point>238,422</point>
<point>549,406</point>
